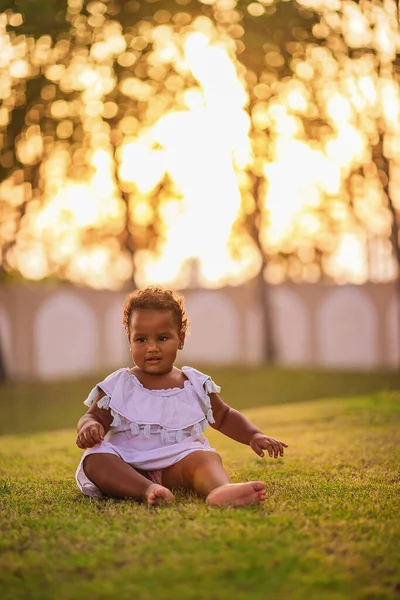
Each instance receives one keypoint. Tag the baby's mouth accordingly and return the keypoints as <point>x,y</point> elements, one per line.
<point>153,359</point>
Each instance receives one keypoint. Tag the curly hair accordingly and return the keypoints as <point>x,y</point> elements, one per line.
<point>156,298</point>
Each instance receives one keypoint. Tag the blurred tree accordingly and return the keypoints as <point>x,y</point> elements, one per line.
<point>48,110</point>
<point>266,35</point>
<point>84,84</point>
<point>334,103</point>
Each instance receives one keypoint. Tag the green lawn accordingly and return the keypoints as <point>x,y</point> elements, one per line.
<point>329,530</point>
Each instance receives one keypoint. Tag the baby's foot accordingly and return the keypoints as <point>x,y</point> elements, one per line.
<point>237,494</point>
<point>158,494</point>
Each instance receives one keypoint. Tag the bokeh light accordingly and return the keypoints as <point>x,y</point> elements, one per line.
<point>143,143</point>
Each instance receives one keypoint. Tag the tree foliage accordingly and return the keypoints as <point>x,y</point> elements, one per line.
<point>87,81</point>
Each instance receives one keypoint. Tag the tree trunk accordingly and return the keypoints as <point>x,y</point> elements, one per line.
<point>3,371</point>
<point>394,238</point>
<point>263,287</point>
<point>269,353</point>
<point>394,234</point>
<point>128,241</point>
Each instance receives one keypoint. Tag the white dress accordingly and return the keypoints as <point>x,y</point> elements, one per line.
<point>151,429</point>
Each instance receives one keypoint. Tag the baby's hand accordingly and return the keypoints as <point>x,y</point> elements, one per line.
<point>90,434</point>
<point>260,442</point>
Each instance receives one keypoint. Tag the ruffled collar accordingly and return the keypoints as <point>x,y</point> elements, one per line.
<point>164,392</point>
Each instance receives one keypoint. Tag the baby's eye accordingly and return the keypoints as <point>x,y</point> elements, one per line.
<point>163,338</point>
<point>142,339</point>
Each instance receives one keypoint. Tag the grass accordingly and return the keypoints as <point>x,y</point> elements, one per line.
<point>328,531</point>
<point>28,407</point>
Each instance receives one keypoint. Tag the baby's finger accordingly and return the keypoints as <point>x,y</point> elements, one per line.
<point>96,434</point>
<point>258,449</point>
<point>266,444</point>
<point>81,442</point>
<point>89,439</point>
<point>275,447</point>
<point>270,444</point>
<point>282,446</point>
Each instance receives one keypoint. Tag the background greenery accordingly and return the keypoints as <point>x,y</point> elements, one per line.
<point>35,406</point>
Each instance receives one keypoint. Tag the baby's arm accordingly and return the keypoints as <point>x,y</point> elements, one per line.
<point>233,424</point>
<point>94,425</point>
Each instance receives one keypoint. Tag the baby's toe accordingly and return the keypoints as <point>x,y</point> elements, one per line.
<point>259,486</point>
<point>158,494</point>
<point>151,499</point>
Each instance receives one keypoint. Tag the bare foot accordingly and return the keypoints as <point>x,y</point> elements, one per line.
<point>237,494</point>
<point>158,494</point>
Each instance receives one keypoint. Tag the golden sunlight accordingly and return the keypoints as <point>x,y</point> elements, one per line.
<point>200,147</point>
<point>207,126</point>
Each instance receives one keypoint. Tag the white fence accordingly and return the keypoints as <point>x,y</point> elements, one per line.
<point>58,332</point>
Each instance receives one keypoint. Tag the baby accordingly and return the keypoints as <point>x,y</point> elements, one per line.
<point>143,432</point>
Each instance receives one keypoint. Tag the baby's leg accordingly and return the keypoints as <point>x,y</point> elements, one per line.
<point>203,472</point>
<point>116,478</point>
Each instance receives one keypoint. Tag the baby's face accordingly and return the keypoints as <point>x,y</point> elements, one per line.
<point>154,340</point>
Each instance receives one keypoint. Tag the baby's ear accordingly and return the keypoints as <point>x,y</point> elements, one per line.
<point>182,340</point>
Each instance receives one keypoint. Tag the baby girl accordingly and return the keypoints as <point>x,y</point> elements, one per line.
<point>143,434</point>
